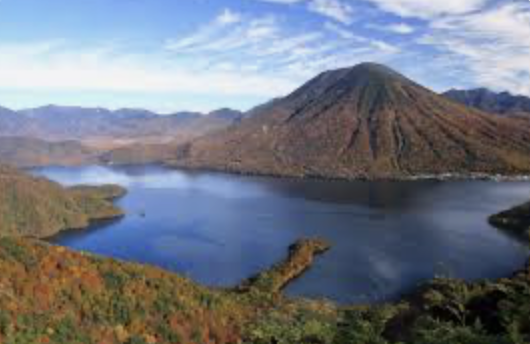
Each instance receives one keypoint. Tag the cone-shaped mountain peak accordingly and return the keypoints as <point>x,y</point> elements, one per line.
<point>366,121</point>
<point>361,75</point>
<point>362,90</point>
<point>371,71</point>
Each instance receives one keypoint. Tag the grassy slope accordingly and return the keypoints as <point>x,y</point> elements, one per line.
<point>37,207</point>
<point>53,295</point>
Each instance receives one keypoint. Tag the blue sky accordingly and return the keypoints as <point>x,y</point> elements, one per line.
<point>170,55</point>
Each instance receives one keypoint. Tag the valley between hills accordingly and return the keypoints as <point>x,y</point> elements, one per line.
<point>364,122</point>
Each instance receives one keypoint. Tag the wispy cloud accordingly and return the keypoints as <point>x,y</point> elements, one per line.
<point>335,9</point>
<point>339,30</point>
<point>228,17</point>
<point>401,28</point>
<point>60,66</point>
<point>266,44</point>
<point>283,1</point>
<point>338,10</point>
<point>492,45</point>
<point>396,28</point>
<point>428,9</point>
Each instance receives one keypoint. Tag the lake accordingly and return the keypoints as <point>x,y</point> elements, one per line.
<point>387,237</point>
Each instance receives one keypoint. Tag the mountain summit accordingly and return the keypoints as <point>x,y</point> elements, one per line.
<point>367,121</point>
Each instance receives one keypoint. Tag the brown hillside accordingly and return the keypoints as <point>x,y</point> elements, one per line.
<point>31,152</point>
<point>366,121</point>
<point>37,207</point>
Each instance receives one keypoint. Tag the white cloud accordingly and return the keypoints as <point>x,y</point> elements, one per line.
<point>397,28</point>
<point>228,17</point>
<point>283,1</point>
<point>492,45</point>
<point>384,47</point>
<point>212,37</point>
<point>339,10</point>
<point>427,9</point>
<point>225,20</point>
<point>60,67</point>
<point>338,30</point>
<point>265,44</point>
<point>401,28</point>
<point>335,9</point>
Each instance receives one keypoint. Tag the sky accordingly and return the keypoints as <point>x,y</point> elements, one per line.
<point>173,55</point>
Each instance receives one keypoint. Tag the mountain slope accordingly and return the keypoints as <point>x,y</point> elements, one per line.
<point>37,207</point>
<point>489,101</point>
<point>226,113</point>
<point>364,122</point>
<point>142,153</point>
<point>12,122</point>
<point>28,152</point>
<point>138,153</point>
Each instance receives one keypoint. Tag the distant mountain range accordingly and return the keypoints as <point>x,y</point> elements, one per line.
<point>105,126</point>
<point>483,99</point>
<point>61,135</point>
<point>364,122</point>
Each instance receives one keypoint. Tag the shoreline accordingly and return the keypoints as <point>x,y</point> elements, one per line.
<point>449,176</point>
<point>108,194</point>
<point>300,257</point>
<point>93,224</point>
<point>248,282</point>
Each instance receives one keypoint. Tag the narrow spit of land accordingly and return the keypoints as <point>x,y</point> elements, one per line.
<point>300,258</point>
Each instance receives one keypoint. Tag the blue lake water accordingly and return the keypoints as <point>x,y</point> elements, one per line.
<point>387,237</point>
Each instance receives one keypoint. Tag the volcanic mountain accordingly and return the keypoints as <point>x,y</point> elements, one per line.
<point>367,121</point>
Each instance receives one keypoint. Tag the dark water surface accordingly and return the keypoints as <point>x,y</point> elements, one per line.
<point>387,236</point>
